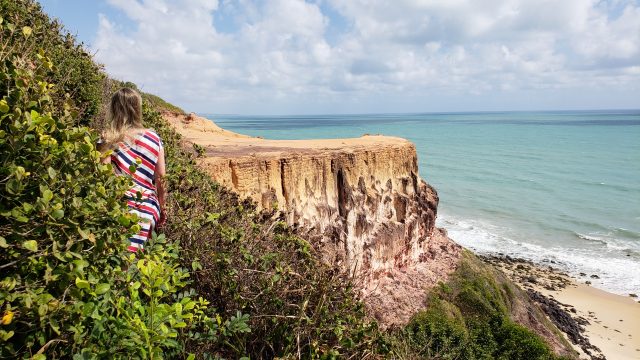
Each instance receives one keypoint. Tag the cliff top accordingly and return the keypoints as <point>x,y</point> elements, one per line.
<point>219,142</point>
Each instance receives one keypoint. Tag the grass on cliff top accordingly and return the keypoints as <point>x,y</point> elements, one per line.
<point>159,103</point>
<point>153,101</point>
<point>471,317</point>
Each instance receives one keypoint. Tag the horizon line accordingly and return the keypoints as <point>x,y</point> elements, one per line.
<point>424,112</point>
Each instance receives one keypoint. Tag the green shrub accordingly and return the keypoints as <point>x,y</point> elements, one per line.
<point>150,314</point>
<point>440,332</point>
<point>77,77</point>
<point>62,222</point>
<point>469,318</point>
<point>517,343</point>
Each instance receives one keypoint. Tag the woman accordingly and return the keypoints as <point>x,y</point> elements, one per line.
<point>138,153</point>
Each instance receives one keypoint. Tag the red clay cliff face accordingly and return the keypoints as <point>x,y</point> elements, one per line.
<point>361,201</point>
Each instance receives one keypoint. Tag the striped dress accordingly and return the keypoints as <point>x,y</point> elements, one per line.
<point>142,198</point>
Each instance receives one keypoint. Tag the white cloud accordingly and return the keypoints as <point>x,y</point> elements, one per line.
<point>278,58</point>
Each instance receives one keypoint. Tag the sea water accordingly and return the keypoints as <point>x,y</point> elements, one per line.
<point>558,188</point>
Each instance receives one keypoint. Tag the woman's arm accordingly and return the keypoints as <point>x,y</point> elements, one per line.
<point>159,182</point>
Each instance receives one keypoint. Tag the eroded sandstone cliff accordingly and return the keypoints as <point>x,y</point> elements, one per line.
<point>361,201</point>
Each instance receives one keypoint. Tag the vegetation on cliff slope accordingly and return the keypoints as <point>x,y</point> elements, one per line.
<point>75,74</point>
<point>221,281</point>
<point>471,316</point>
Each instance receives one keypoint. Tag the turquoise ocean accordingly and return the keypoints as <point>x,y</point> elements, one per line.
<point>558,188</point>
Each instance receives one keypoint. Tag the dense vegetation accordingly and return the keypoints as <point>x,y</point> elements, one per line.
<point>68,286</point>
<point>469,317</point>
<point>75,74</point>
<point>221,281</point>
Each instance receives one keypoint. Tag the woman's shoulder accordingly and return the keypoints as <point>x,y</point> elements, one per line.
<point>153,135</point>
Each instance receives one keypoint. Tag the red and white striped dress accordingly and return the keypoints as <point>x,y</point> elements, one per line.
<point>142,198</point>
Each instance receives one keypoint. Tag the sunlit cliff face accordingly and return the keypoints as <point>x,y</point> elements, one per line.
<point>359,201</point>
<point>366,205</point>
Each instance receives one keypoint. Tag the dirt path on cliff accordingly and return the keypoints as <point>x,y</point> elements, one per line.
<point>219,142</point>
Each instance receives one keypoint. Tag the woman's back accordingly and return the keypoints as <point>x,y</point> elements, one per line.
<point>139,158</point>
<point>142,152</point>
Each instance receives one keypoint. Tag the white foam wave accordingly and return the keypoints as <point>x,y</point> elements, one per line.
<point>611,259</point>
<point>610,241</point>
<point>592,238</point>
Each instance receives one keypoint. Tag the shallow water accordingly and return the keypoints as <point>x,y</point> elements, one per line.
<point>555,187</point>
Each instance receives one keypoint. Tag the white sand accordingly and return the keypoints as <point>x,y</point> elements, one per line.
<point>614,319</point>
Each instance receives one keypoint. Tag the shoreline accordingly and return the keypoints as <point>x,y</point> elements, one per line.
<point>599,324</point>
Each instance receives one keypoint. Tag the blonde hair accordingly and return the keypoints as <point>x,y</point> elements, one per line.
<point>124,119</point>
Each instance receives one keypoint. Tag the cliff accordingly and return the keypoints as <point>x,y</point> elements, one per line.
<point>361,201</point>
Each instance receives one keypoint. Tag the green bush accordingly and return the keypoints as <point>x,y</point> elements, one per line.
<point>77,77</point>
<point>469,318</point>
<point>440,331</point>
<point>517,343</point>
<point>61,220</point>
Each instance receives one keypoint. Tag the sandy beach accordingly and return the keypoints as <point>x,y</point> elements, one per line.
<point>610,323</point>
<point>614,320</point>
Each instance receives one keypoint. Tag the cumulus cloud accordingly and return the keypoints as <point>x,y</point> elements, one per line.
<point>285,56</point>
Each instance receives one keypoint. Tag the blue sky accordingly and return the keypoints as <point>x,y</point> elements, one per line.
<point>367,56</point>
